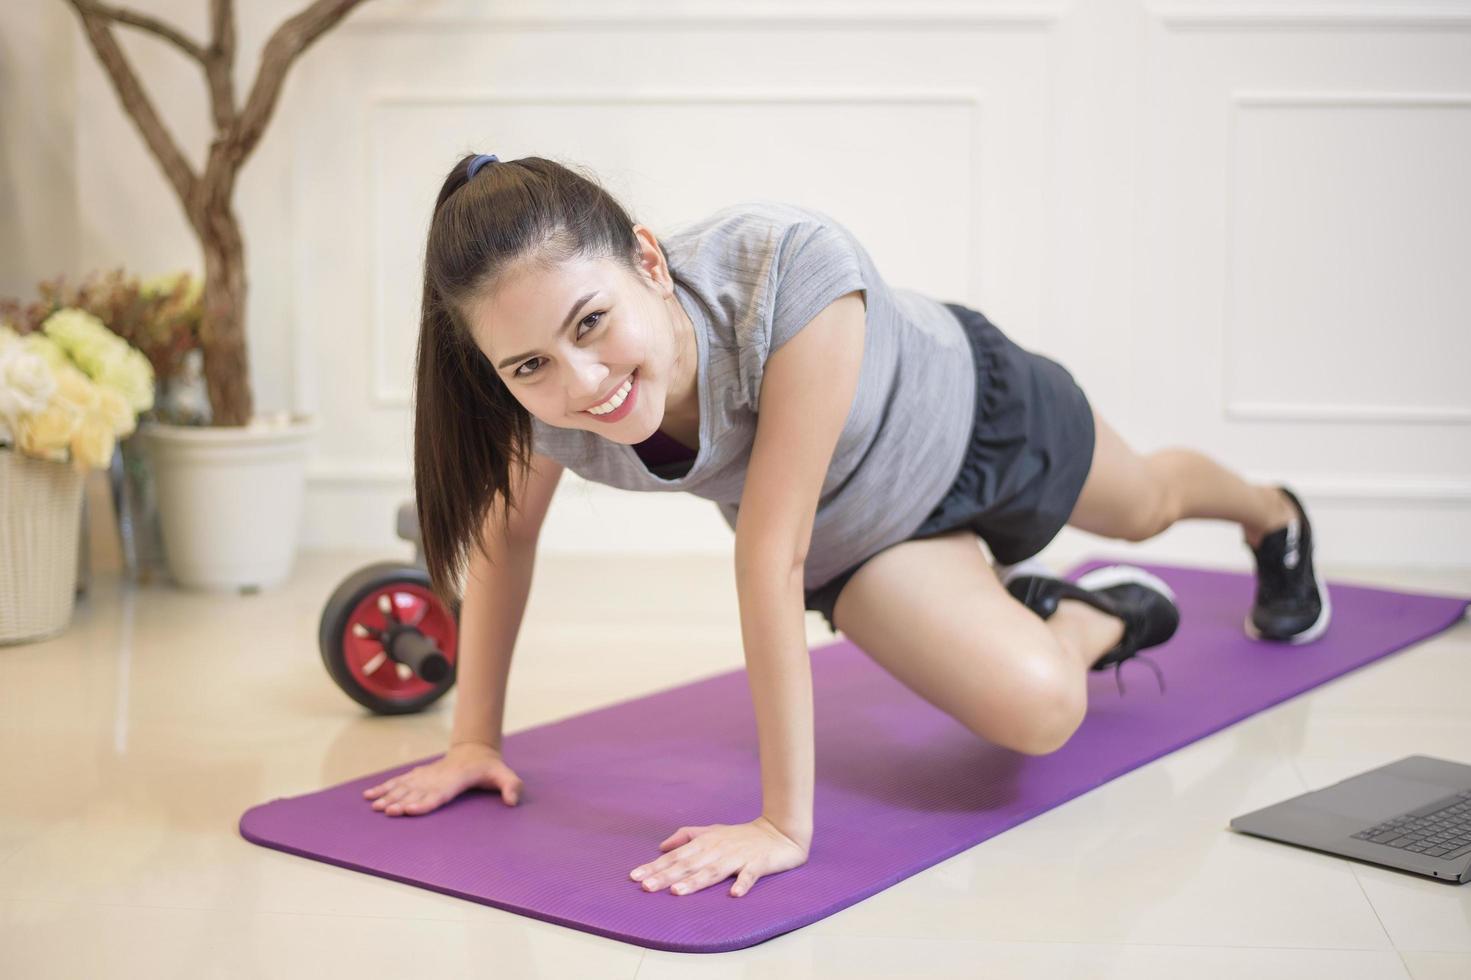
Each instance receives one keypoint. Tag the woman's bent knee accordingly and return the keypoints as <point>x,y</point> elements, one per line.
<point>1051,732</point>
<point>1047,740</point>
<point>1043,715</point>
<point>933,613</point>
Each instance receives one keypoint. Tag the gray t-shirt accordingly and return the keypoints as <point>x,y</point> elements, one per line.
<point>751,276</point>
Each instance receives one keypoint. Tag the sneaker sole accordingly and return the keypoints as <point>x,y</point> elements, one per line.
<point>1319,627</point>
<point>1030,566</point>
<point>1102,578</point>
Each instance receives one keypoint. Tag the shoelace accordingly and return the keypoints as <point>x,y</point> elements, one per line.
<point>1118,669</point>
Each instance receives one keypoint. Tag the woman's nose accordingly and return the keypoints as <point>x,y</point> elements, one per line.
<point>591,380</point>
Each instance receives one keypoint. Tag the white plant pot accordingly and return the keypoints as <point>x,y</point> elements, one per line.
<point>230,500</point>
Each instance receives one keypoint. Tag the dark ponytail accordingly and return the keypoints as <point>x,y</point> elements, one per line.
<point>469,430</point>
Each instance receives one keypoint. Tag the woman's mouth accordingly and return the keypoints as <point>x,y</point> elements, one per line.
<point>627,392</point>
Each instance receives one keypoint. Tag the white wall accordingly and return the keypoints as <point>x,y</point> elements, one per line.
<point>38,209</point>
<point>1245,227</point>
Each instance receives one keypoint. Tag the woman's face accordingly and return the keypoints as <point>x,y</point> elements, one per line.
<point>569,338</point>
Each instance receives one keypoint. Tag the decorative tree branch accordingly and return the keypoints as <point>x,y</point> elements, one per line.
<point>136,102</point>
<point>219,67</point>
<point>207,198</point>
<point>147,23</point>
<point>285,46</point>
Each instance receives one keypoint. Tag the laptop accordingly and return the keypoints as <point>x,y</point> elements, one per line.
<point>1414,815</point>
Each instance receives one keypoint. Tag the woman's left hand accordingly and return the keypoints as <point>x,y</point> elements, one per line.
<point>703,856</point>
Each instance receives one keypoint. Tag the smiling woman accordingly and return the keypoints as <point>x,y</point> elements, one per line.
<point>624,334</point>
<point>513,258</point>
<point>857,437</point>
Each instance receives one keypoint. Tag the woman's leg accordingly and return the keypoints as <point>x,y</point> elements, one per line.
<point>1135,497</point>
<point>933,613</point>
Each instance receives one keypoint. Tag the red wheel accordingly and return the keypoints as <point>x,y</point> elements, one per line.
<point>388,641</point>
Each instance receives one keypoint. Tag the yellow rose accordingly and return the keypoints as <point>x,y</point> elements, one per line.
<point>116,411</point>
<point>93,442</point>
<point>74,386</point>
<point>77,417</point>
<point>47,433</point>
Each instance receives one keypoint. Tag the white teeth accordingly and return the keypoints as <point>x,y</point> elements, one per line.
<point>615,401</point>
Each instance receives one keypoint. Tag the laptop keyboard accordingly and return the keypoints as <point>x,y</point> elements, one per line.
<point>1441,829</point>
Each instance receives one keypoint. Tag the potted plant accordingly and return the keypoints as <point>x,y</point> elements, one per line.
<point>230,491</point>
<point>67,393</point>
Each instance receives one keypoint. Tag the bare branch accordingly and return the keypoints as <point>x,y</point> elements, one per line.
<point>135,101</point>
<point>207,196</point>
<point>288,42</point>
<point>145,23</point>
<point>219,67</point>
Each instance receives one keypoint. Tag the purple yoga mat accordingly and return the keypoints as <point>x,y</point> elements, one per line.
<point>900,785</point>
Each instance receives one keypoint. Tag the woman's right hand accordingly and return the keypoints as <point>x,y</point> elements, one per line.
<point>423,788</point>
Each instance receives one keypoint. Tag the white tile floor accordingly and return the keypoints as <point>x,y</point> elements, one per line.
<point>131,744</point>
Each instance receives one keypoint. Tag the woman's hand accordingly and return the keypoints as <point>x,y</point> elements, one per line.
<point>423,788</point>
<point>706,855</point>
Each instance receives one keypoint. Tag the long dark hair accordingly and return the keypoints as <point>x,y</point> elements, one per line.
<point>469,430</point>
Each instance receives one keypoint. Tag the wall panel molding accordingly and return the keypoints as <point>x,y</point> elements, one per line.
<point>656,16</point>
<point>1260,411</point>
<point>1386,414</point>
<point>1303,17</point>
<point>1393,491</point>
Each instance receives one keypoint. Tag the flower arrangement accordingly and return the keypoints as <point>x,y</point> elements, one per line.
<point>160,316</point>
<point>69,391</point>
<point>82,368</point>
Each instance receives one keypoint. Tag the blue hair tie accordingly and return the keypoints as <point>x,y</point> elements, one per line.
<point>481,161</point>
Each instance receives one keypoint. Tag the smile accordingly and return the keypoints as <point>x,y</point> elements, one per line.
<point>619,404</point>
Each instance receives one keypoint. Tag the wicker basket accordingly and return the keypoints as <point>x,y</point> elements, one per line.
<point>40,517</point>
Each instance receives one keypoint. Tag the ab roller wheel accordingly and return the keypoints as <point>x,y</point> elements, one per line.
<point>388,641</point>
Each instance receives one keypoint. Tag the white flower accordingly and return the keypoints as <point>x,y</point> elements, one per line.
<point>49,407</point>
<point>74,418</point>
<point>27,383</point>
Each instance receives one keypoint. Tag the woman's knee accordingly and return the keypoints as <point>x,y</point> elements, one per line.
<point>1046,704</point>
<point>1054,732</point>
<point>933,613</point>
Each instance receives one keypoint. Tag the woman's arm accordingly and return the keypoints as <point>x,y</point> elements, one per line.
<point>807,392</point>
<point>494,603</point>
<point>780,677</point>
<point>490,620</point>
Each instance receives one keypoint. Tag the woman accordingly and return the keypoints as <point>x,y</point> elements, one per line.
<point>860,439</point>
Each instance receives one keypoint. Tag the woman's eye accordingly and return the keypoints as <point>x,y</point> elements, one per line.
<point>536,360</point>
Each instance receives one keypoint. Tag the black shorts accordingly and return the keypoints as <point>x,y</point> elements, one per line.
<point>1031,446</point>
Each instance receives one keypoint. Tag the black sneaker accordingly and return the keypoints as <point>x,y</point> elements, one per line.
<point>1144,602</point>
<point>1291,602</point>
